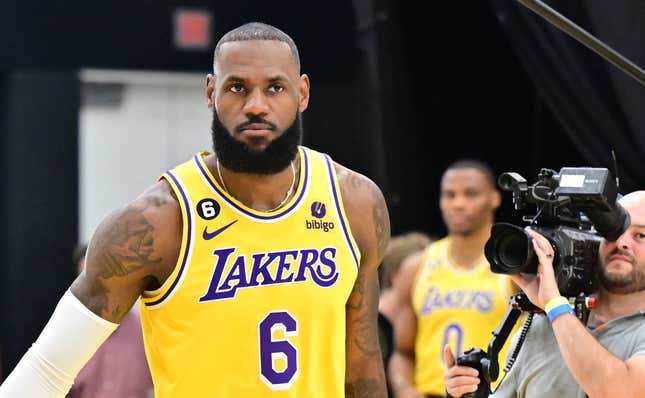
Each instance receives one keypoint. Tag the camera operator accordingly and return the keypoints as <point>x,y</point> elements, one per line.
<point>561,357</point>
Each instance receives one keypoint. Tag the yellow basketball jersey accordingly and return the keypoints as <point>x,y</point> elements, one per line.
<point>455,306</point>
<point>255,306</point>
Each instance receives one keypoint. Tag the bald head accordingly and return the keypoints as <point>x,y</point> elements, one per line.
<point>636,198</point>
<point>634,204</point>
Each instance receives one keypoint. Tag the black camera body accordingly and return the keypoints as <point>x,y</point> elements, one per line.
<point>575,208</point>
<point>478,359</point>
<point>576,252</point>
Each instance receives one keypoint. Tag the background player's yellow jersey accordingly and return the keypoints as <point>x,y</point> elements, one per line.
<point>256,304</point>
<point>453,305</point>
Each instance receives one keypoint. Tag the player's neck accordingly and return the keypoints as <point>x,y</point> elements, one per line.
<point>611,306</point>
<point>259,192</point>
<point>466,250</point>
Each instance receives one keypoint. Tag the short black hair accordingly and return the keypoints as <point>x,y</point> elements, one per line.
<point>483,167</point>
<point>257,31</point>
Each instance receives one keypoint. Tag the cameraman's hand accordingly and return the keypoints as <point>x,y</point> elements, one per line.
<point>459,380</point>
<point>543,287</point>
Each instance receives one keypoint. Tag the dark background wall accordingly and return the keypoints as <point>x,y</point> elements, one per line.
<point>39,200</point>
<point>399,91</point>
<point>465,95</point>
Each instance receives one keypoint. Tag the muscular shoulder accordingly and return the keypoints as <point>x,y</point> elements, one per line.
<point>133,249</point>
<point>146,230</point>
<point>367,212</point>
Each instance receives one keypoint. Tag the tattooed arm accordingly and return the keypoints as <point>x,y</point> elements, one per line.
<point>370,225</point>
<point>134,249</point>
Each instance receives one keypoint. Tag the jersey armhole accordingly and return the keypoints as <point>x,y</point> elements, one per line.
<point>154,298</point>
<point>334,188</point>
<point>423,269</point>
<point>425,258</point>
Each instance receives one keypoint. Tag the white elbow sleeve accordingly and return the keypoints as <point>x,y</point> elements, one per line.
<point>67,342</point>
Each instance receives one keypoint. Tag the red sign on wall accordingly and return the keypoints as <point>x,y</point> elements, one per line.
<point>192,29</point>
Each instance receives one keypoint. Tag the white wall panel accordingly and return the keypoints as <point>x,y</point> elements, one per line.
<point>134,126</point>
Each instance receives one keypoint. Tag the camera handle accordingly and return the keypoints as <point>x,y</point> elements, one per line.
<point>487,363</point>
<point>582,305</point>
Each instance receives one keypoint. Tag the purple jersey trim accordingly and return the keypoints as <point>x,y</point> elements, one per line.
<point>187,247</point>
<point>338,210</point>
<point>303,189</point>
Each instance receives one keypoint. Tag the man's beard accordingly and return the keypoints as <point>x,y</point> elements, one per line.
<point>238,157</point>
<point>615,283</point>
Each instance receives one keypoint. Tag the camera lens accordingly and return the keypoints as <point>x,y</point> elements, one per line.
<point>512,250</point>
<point>509,251</point>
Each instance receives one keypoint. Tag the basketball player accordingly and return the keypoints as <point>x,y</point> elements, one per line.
<point>257,265</point>
<point>448,293</point>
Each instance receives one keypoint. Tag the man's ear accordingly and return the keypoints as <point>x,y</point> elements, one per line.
<point>210,90</point>
<point>496,199</point>
<point>303,93</point>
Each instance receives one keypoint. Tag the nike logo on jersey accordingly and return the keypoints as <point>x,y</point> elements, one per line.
<point>210,235</point>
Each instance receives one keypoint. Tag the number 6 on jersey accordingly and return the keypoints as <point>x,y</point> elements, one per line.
<point>273,352</point>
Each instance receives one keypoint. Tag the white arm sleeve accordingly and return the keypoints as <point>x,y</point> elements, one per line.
<point>68,341</point>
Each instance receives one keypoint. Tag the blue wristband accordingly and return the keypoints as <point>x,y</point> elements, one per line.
<point>559,310</point>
